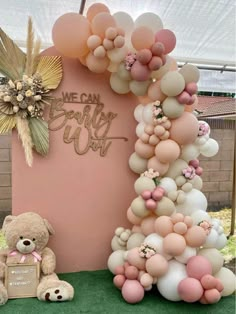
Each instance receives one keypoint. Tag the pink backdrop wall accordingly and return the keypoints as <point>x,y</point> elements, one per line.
<point>85,197</point>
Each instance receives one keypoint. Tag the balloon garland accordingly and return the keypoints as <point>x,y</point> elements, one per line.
<point>173,243</point>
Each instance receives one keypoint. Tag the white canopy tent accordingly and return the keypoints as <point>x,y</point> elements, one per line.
<point>205,29</point>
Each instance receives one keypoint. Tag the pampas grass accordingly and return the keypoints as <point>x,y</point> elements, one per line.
<point>25,136</point>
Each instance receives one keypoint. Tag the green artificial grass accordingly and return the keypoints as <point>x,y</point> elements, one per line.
<point>96,294</point>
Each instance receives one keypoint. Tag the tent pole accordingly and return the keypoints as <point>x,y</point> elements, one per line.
<point>82,5</point>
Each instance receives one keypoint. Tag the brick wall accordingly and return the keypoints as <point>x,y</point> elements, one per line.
<point>217,171</point>
<point>5,175</point>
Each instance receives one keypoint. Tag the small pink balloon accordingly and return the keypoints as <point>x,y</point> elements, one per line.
<point>219,285</point>
<point>140,72</point>
<point>167,38</point>
<point>208,282</point>
<point>191,100</point>
<point>163,58</point>
<point>144,56</point>
<point>194,163</point>
<point>151,204</point>
<point>157,195</point>
<point>198,266</point>
<point>212,296</point>
<point>132,291</point>
<point>180,228</point>
<point>131,272</point>
<point>191,88</point>
<point>190,290</point>
<point>155,63</point>
<point>93,42</point>
<point>158,49</point>
<point>119,281</point>
<point>183,98</point>
<point>146,280</point>
<point>146,195</point>
<point>199,171</point>
<point>119,41</point>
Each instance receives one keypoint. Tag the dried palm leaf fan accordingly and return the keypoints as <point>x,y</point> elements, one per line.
<point>22,99</point>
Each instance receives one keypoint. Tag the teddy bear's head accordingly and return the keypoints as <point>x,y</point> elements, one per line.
<point>27,232</point>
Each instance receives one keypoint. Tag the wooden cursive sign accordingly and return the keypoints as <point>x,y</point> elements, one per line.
<point>88,127</point>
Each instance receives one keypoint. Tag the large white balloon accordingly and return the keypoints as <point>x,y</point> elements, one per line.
<point>116,258</point>
<point>156,241</point>
<point>194,200</point>
<point>185,256</point>
<point>138,111</point>
<point>168,284</point>
<point>210,148</point>
<point>124,21</point>
<point>168,185</point>
<point>211,239</point>
<point>200,215</point>
<point>227,277</point>
<point>190,152</point>
<point>150,20</point>
<point>148,114</point>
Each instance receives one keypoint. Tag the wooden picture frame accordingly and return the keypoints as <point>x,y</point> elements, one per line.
<point>21,280</point>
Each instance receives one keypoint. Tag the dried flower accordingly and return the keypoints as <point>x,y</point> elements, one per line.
<point>146,250</point>
<point>150,173</point>
<point>15,109</point>
<point>28,93</point>
<point>7,98</point>
<point>11,84</point>
<point>37,97</point>
<point>25,78</point>
<point>206,226</point>
<point>19,86</point>
<point>19,97</point>
<point>189,172</point>
<point>129,60</point>
<point>203,129</point>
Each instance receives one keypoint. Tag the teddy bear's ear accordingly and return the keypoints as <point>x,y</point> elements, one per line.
<point>8,219</point>
<point>49,227</point>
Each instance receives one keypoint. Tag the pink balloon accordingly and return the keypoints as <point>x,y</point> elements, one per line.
<point>132,291</point>
<point>199,171</point>
<point>119,281</point>
<point>146,194</point>
<point>194,163</point>
<point>142,37</point>
<point>167,38</point>
<point>191,88</point>
<point>135,259</point>
<point>198,266</point>
<point>144,56</point>
<point>187,121</point>
<point>131,272</point>
<point>156,265</point>
<point>158,49</point>
<point>195,236</point>
<point>212,296</point>
<point>155,63</point>
<point>65,37</point>
<point>183,98</point>
<point>163,225</point>
<point>97,65</point>
<point>101,22</point>
<point>151,204</point>
<point>167,151</point>
<point>208,282</point>
<point>190,290</point>
<point>140,72</point>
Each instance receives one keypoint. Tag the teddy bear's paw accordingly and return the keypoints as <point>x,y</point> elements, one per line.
<point>3,295</point>
<point>58,292</point>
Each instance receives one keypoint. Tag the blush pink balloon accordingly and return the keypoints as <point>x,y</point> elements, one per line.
<point>95,9</point>
<point>155,63</point>
<point>156,265</point>
<point>144,56</point>
<point>135,259</point>
<point>140,72</point>
<point>147,225</point>
<point>158,49</point>
<point>187,121</point>
<point>151,204</point>
<point>183,98</point>
<point>142,37</point>
<point>146,194</point>
<point>190,290</point>
<point>208,282</point>
<point>119,281</point>
<point>131,272</point>
<point>155,93</point>
<point>101,22</point>
<point>167,38</point>
<point>132,291</point>
<point>167,151</point>
<point>195,236</point>
<point>198,266</point>
<point>212,296</point>
<point>65,37</point>
<point>191,88</point>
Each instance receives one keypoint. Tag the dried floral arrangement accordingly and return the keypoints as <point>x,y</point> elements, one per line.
<point>30,78</point>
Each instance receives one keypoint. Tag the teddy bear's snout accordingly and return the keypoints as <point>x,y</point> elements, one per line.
<point>25,246</point>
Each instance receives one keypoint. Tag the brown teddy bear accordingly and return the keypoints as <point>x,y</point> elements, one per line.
<point>27,236</point>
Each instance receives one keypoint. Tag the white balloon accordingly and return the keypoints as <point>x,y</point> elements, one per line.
<point>117,55</point>
<point>140,129</point>
<point>150,20</point>
<point>221,241</point>
<point>211,239</point>
<point>194,200</point>
<point>227,277</point>
<point>185,256</point>
<point>155,240</point>
<point>148,114</point>
<point>168,185</point>
<point>190,152</point>
<point>138,113</point>
<point>200,215</point>
<point>124,21</point>
<point>116,258</point>
<point>210,148</point>
<point>168,284</point>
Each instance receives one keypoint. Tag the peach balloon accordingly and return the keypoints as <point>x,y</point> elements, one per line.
<point>147,225</point>
<point>101,22</point>
<point>97,65</point>
<point>174,244</point>
<point>146,280</point>
<point>198,266</point>
<point>212,296</point>
<point>195,236</point>
<point>180,228</point>
<point>156,265</point>
<point>82,60</point>
<point>135,220</point>
<point>142,37</point>
<point>155,93</point>
<point>163,226</point>
<point>144,100</point>
<point>187,121</point>
<point>65,37</point>
<point>119,280</point>
<point>167,151</point>
<point>135,259</point>
<point>95,9</point>
<point>144,150</point>
<point>155,164</point>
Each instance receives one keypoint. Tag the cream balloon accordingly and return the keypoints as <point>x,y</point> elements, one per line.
<point>123,73</point>
<point>117,55</point>
<point>176,168</point>
<point>124,21</point>
<point>168,184</point>
<point>150,20</point>
<point>135,240</point>
<point>227,277</point>
<point>190,73</point>
<point>172,83</point>
<point>185,256</point>
<point>200,215</point>
<point>118,85</point>
<point>140,129</point>
<point>137,164</point>
<point>214,257</point>
<point>148,114</point>
<point>190,152</point>
<point>116,258</point>
<point>138,207</point>
<point>210,148</point>
<point>194,200</point>
<point>113,67</point>
<point>172,108</point>
<point>139,88</point>
<point>143,184</point>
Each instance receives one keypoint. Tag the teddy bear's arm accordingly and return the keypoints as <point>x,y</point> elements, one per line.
<point>3,259</point>
<point>48,263</point>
